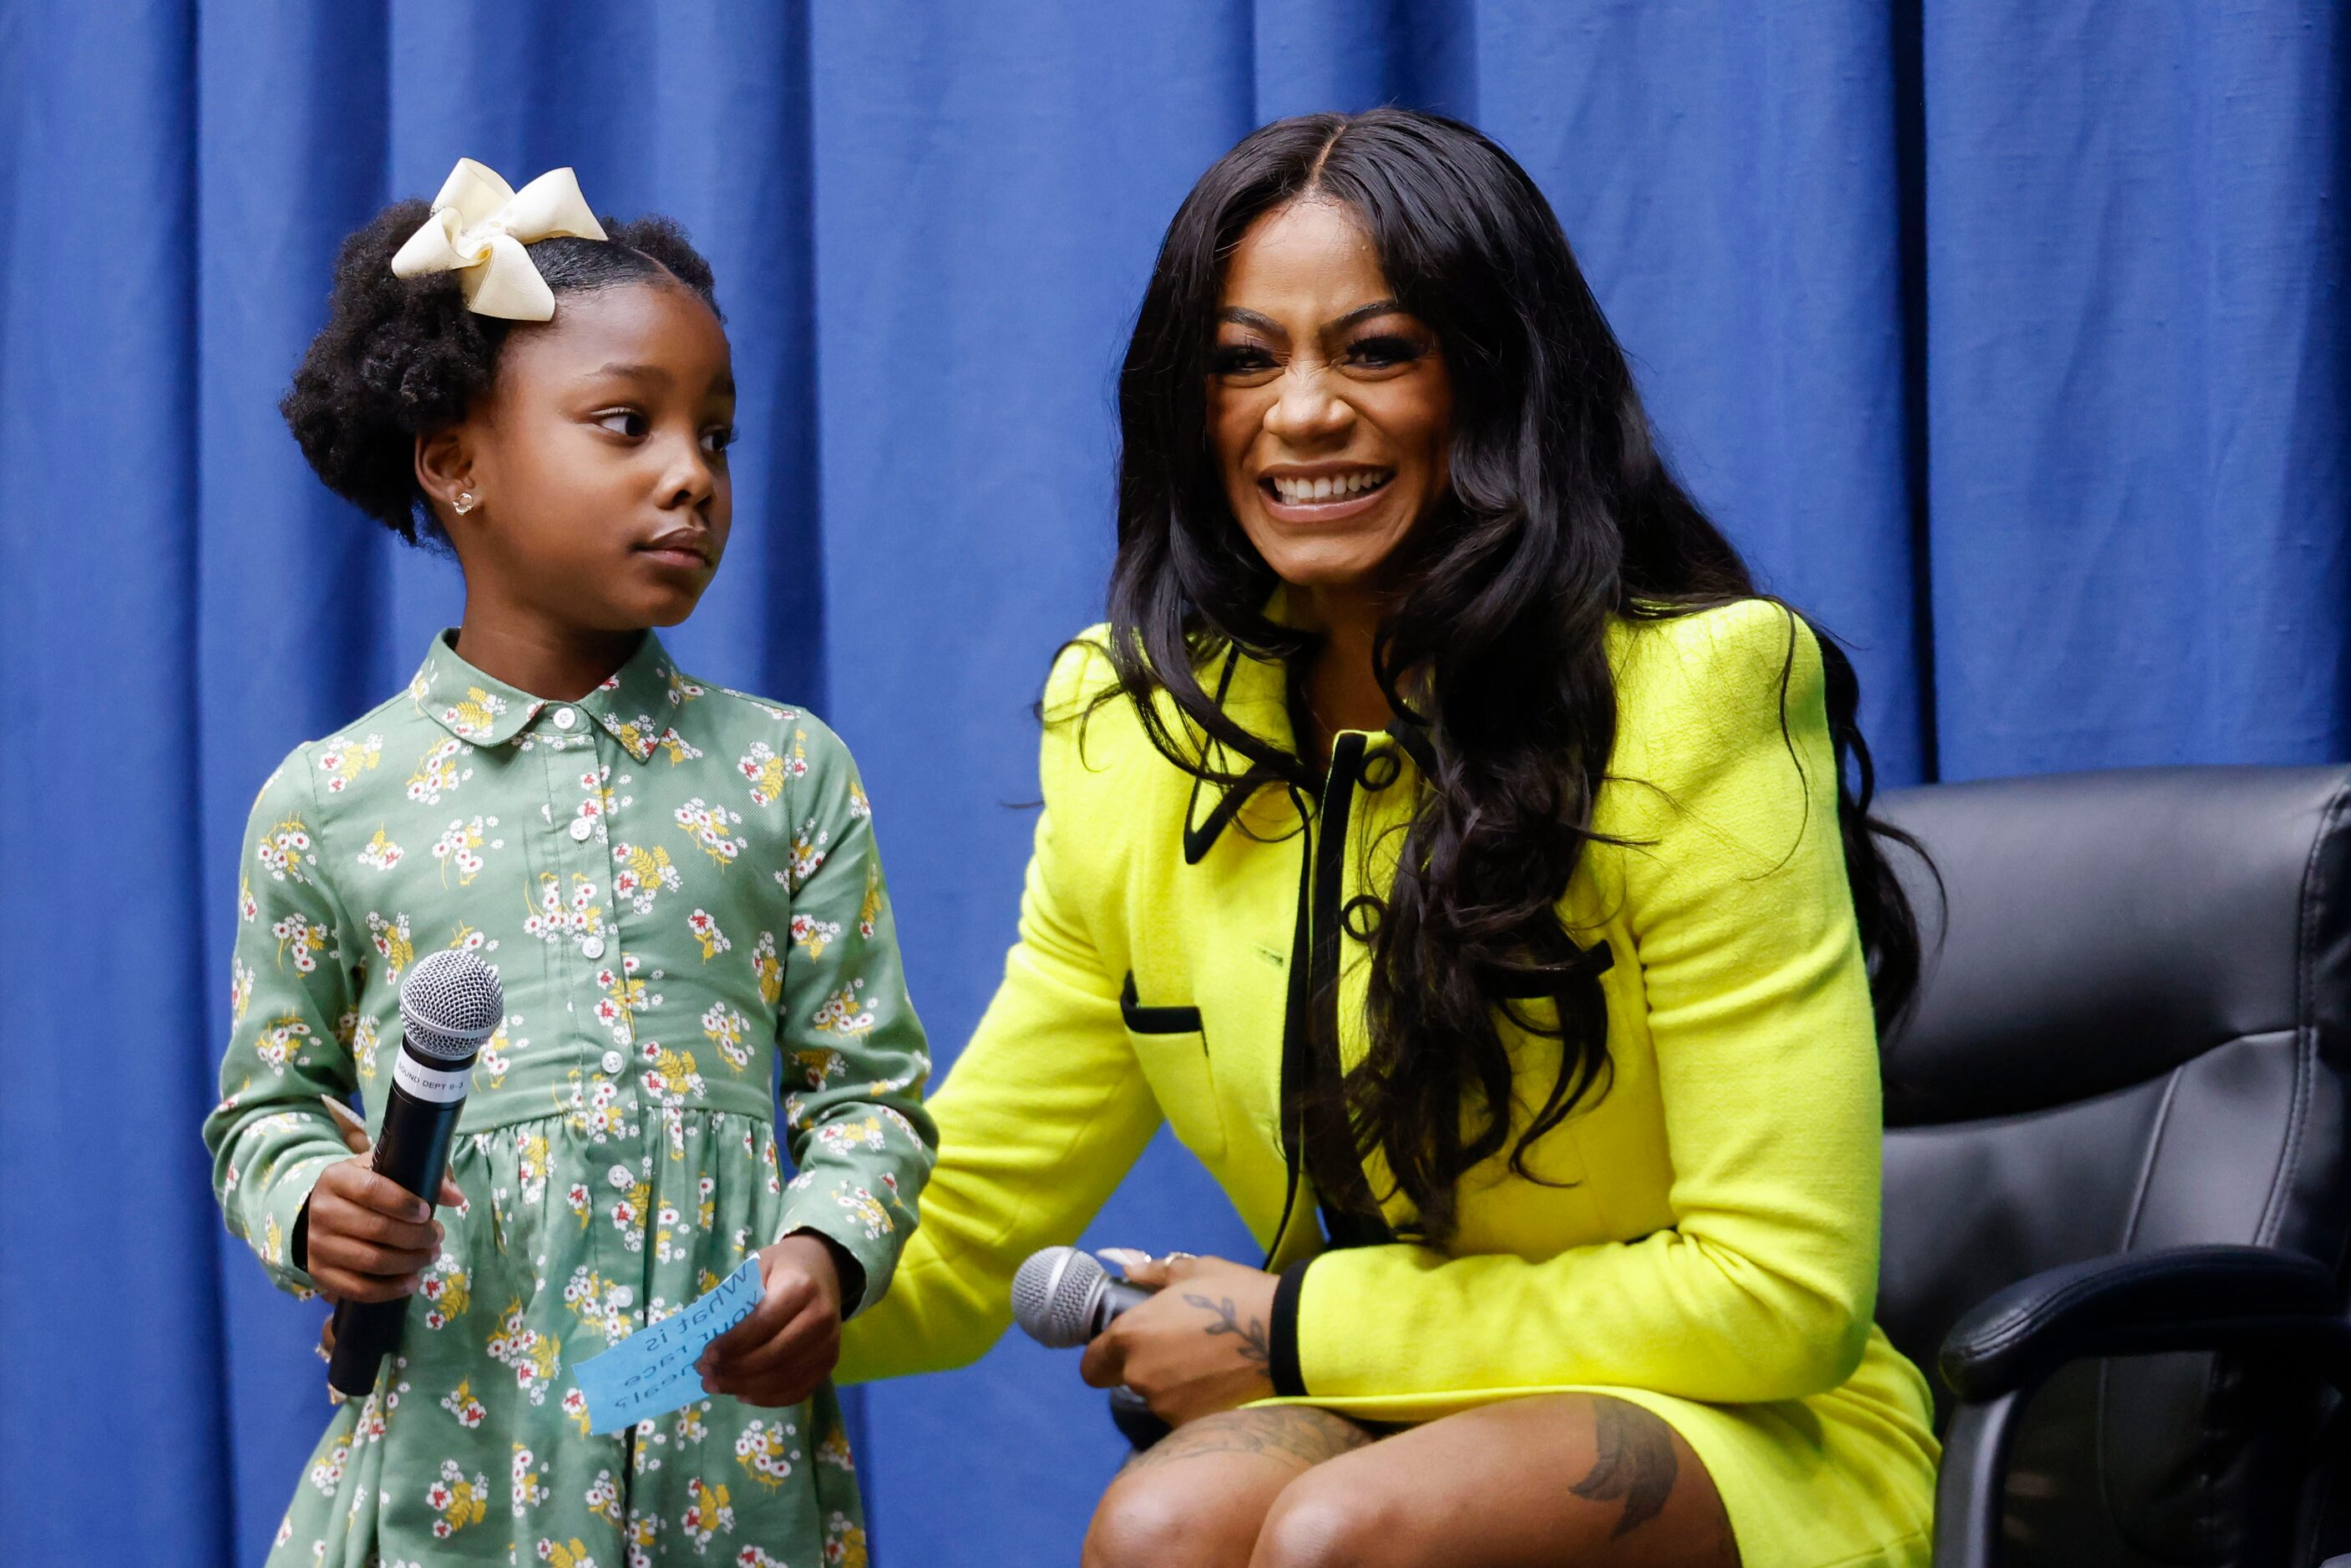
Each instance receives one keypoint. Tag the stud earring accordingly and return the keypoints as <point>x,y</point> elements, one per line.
<point>464,503</point>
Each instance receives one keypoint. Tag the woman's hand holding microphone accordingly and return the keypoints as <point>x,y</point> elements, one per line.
<point>1199,1345</point>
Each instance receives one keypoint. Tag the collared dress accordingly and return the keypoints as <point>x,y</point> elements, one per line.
<point>678,888</point>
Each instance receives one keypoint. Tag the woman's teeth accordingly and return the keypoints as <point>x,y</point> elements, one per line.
<point>1329,487</point>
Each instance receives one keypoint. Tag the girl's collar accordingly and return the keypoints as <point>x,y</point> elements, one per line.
<point>635,703</point>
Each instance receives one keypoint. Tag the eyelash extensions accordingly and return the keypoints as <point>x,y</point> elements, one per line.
<point>1379,352</point>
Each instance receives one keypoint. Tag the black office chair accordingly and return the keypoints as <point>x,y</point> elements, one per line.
<point>2117,1190</point>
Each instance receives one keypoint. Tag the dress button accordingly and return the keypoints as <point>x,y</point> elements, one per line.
<point>612,1062</point>
<point>565,718</point>
<point>581,827</point>
<point>593,948</point>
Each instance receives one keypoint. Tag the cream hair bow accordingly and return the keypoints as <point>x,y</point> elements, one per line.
<point>478,229</point>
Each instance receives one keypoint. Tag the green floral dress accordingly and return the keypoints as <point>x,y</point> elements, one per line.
<point>678,888</point>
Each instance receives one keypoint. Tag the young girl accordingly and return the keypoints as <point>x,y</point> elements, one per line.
<point>676,884</point>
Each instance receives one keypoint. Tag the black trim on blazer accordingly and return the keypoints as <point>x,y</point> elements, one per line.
<point>1142,1020</point>
<point>1351,1220</point>
<point>1293,1046</point>
<point>1199,838</point>
<point>1201,835</point>
<point>1282,1338</point>
<point>1413,736</point>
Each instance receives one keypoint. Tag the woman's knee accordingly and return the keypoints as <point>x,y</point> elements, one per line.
<point>1161,1518</point>
<point>1323,1519</point>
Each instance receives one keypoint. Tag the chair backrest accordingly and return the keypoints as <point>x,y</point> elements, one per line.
<point>2135,1035</point>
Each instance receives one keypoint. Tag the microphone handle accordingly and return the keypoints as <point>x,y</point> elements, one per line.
<point>1117,1296</point>
<point>414,1152</point>
<point>1129,1411</point>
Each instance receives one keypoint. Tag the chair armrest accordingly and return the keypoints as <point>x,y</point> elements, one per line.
<point>2131,1303</point>
<point>2176,1298</point>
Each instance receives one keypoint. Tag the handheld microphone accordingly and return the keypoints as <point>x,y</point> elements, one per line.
<point>449,1004</point>
<point>1062,1298</point>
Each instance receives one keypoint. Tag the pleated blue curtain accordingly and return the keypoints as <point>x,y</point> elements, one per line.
<point>2008,339</point>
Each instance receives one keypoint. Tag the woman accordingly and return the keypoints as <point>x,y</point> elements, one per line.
<point>1445,837</point>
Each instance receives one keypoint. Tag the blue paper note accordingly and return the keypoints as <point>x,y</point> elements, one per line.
<point>651,1373</point>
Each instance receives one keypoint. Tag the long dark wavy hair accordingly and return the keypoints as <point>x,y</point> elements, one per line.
<point>1561,514</point>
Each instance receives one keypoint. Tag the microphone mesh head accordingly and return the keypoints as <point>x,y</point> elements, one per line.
<point>449,1004</point>
<point>1053,1296</point>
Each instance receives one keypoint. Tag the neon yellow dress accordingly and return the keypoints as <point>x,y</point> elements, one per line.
<point>1710,1248</point>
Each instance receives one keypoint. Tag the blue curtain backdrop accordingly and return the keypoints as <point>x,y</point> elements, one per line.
<point>2008,336</point>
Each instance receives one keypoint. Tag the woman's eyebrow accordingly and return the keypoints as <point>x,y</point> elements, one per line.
<point>1241,316</point>
<point>1365,313</point>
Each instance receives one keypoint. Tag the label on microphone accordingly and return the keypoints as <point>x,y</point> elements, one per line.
<point>438,1084</point>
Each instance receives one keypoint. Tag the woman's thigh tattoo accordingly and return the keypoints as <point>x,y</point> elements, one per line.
<point>1298,1434</point>
<point>1633,1462</point>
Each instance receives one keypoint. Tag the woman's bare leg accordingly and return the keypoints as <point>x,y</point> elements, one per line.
<point>1197,1498</point>
<point>1566,1479</point>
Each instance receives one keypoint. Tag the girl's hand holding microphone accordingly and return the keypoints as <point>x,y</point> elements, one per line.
<point>370,1239</point>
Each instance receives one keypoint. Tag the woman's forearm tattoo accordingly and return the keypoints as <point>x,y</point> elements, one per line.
<point>1633,1459</point>
<point>1255,1347</point>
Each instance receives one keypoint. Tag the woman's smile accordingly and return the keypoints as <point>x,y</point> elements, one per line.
<point>1321,493</point>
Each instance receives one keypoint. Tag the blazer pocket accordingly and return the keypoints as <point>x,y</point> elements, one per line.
<point>1173,1049</point>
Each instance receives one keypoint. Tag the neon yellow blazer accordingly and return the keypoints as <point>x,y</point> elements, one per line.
<point>1708,1248</point>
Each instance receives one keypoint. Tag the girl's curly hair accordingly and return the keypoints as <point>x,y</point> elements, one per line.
<point>403,357</point>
